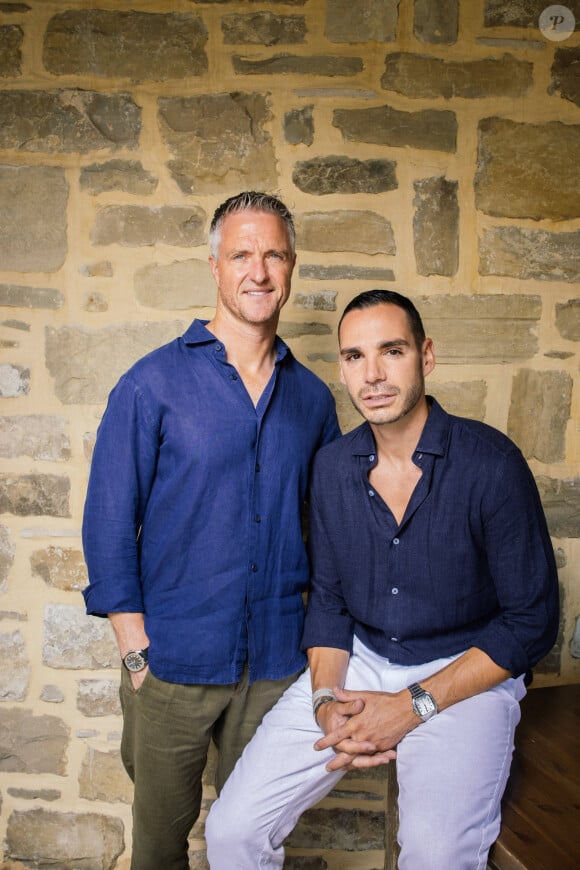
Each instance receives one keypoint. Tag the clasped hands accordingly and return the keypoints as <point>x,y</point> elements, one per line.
<point>364,727</point>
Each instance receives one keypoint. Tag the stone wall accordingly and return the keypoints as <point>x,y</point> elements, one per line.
<point>431,146</point>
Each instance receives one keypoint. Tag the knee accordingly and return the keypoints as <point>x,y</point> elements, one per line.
<point>225,832</point>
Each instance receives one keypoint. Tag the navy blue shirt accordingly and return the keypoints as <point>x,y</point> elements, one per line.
<point>193,509</point>
<point>470,565</point>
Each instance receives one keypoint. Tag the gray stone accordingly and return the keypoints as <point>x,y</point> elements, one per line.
<point>68,121</point>
<point>14,667</point>
<point>74,640</point>
<point>436,21</point>
<point>523,13</point>
<point>528,170</point>
<point>299,126</point>
<point>363,231</point>
<point>436,226</point>
<point>575,642</point>
<point>296,330</point>
<point>525,253</point>
<point>416,75</point>
<point>351,830</point>
<point>140,46</point>
<point>539,413</point>
<point>126,175</point>
<point>263,28</point>
<point>99,269</point>
<point>86,364</point>
<point>15,296</point>
<point>483,329</point>
<point>301,862</point>
<point>298,64</point>
<point>177,286</point>
<point>561,501</point>
<point>16,324</point>
<point>60,567</point>
<point>568,319</point>
<point>337,174</point>
<point>14,381</point>
<point>35,495</point>
<point>70,841</point>
<point>34,794</point>
<point>32,217</point>
<point>345,273</point>
<point>103,778</point>
<point>466,399</point>
<point>32,744</point>
<point>52,694</point>
<point>39,436</point>
<point>7,550</point>
<point>324,300</point>
<point>565,78</point>
<point>363,21</point>
<point>219,142</point>
<point>95,303</point>
<point>428,129</point>
<point>135,226</point>
<point>11,37</point>
<point>89,439</point>
<point>99,698</point>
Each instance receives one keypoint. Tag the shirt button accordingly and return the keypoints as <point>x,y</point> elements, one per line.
<point>371,493</point>
<point>395,639</point>
<point>218,347</point>
<point>258,518</point>
<point>419,457</point>
<point>258,468</point>
<point>372,457</point>
<point>254,567</point>
<point>395,541</point>
<point>234,377</point>
<point>394,590</point>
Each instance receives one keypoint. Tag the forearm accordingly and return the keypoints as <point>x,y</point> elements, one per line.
<point>129,630</point>
<point>328,667</point>
<point>470,674</point>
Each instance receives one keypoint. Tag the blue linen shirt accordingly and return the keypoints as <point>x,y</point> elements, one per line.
<point>471,563</point>
<point>193,509</point>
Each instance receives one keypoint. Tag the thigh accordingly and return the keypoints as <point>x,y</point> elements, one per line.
<point>240,719</point>
<point>166,735</point>
<point>452,772</point>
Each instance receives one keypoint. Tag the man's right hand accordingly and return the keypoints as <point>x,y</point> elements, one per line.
<point>333,715</point>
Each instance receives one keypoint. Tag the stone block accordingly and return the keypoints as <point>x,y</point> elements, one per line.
<point>345,273</point>
<point>525,253</point>
<point>303,862</point>
<point>40,436</point>
<point>14,667</point>
<point>524,13</point>
<point>363,21</point>
<point>33,203</point>
<point>289,331</point>
<point>60,567</point>
<point>99,698</point>
<point>181,285</point>
<point>465,399</point>
<point>52,694</point>
<point>16,296</point>
<point>299,64</point>
<point>486,329</point>
<point>11,37</point>
<point>32,744</point>
<point>97,269</point>
<point>561,501</point>
<point>417,75</point>
<point>565,78</point>
<point>528,170</point>
<point>66,121</point>
<point>128,176</point>
<point>86,364</point>
<point>74,640</point>
<point>436,226</point>
<point>336,174</point>
<point>35,794</point>
<point>428,129</point>
<point>539,414</point>
<point>7,550</point>
<point>135,226</point>
<point>103,778</point>
<point>140,46</point>
<point>366,232</point>
<point>218,142</point>
<point>324,300</point>
<point>436,23</point>
<point>42,838</point>
<point>35,495</point>
<point>263,28</point>
<point>14,381</point>
<point>568,319</point>
<point>350,830</point>
<point>299,126</point>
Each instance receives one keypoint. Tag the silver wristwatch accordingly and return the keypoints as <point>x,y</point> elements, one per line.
<point>423,702</point>
<point>136,660</point>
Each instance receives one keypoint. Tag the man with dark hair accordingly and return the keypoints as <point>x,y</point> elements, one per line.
<point>433,594</point>
<point>192,528</point>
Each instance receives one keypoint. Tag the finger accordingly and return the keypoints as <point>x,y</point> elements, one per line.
<point>342,761</point>
<point>362,761</point>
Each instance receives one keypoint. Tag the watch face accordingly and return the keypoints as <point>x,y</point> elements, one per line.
<point>134,661</point>
<point>424,705</point>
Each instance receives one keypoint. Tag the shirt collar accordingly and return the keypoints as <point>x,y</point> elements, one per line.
<point>434,436</point>
<point>197,334</point>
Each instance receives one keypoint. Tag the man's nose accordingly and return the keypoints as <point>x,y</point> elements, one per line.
<point>375,370</point>
<point>258,270</point>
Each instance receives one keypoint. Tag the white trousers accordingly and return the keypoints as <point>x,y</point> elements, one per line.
<point>452,772</point>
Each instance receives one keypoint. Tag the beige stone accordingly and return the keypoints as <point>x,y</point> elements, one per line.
<point>74,640</point>
<point>364,20</point>
<point>263,28</point>
<point>465,399</point>
<point>7,550</point>
<point>32,744</point>
<point>568,319</point>
<point>181,285</point>
<point>539,413</point>
<point>60,567</point>
<point>36,435</point>
<point>14,381</point>
<point>98,697</point>
<point>436,226</point>
<point>349,230</point>
<point>428,129</point>
<point>528,253</point>
<point>134,226</point>
<point>14,667</point>
<point>35,495</point>
<point>103,777</point>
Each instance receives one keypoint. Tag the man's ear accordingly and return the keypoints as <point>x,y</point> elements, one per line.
<point>428,356</point>
<point>214,268</point>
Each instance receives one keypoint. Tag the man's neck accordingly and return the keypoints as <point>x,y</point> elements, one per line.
<point>250,348</point>
<point>397,442</point>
